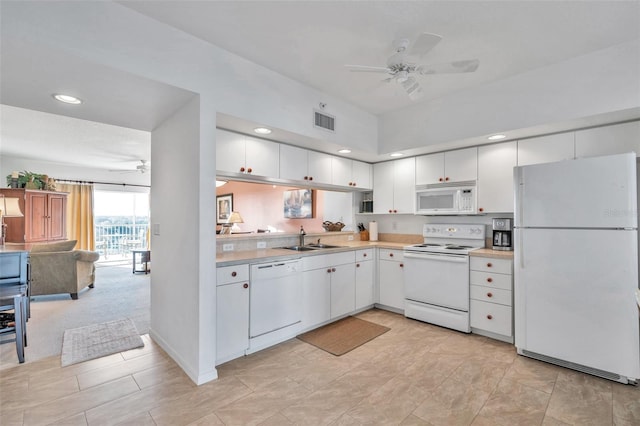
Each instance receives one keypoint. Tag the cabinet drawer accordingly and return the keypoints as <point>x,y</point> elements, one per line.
<point>312,262</point>
<point>388,254</point>
<point>491,317</point>
<point>489,264</point>
<point>364,255</point>
<point>489,279</point>
<point>232,274</point>
<point>492,295</point>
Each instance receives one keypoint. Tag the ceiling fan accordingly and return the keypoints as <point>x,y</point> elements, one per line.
<point>403,71</point>
<point>143,167</point>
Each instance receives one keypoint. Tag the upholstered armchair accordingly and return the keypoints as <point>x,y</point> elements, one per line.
<point>57,268</point>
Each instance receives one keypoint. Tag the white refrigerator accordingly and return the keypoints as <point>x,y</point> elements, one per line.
<point>576,265</point>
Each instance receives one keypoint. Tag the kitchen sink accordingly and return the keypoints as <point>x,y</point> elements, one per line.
<point>322,246</point>
<point>298,248</point>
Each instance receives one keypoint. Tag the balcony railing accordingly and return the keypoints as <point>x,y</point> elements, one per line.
<point>120,239</point>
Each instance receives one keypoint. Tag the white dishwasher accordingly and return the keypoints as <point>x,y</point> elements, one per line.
<point>276,296</point>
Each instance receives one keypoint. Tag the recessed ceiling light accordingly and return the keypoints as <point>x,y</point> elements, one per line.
<point>344,151</point>
<point>396,154</point>
<point>67,99</point>
<point>262,130</point>
<point>496,137</point>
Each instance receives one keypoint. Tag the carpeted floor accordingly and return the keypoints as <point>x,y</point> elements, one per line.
<point>117,294</point>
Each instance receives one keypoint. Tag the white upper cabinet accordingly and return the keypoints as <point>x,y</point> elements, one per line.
<point>608,140</point>
<point>236,153</point>
<point>304,165</point>
<point>451,166</point>
<point>546,149</point>
<point>394,186</point>
<point>355,174</point>
<point>495,177</point>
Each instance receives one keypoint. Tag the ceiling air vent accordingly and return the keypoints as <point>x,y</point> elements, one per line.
<point>324,121</point>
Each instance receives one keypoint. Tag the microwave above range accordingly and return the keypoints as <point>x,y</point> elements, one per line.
<point>451,198</point>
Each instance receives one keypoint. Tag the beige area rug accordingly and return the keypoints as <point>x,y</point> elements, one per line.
<point>343,336</point>
<point>98,340</point>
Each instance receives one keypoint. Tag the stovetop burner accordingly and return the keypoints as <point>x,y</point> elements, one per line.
<point>443,238</point>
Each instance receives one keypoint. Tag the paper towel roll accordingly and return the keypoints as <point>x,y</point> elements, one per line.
<point>373,231</point>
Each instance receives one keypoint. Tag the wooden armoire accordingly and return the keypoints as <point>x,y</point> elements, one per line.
<point>45,216</point>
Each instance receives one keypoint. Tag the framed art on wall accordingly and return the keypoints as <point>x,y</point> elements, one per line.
<point>224,207</point>
<point>298,204</point>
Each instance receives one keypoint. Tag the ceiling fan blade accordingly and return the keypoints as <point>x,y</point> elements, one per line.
<point>424,43</point>
<point>449,68</point>
<point>413,89</point>
<point>366,68</point>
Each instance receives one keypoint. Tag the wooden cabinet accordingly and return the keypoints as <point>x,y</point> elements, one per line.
<point>303,165</point>
<point>451,166</point>
<point>608,140</point>
<point>546,149</point>
<point>45,216</point>
<point>394,186</point>
<point>391,279</point>
<point>350,173</point>
<point>495,177</point>
<point>237,153</point>
<point>364,278</point>
<point>232,312</point>
<point>491,294</point>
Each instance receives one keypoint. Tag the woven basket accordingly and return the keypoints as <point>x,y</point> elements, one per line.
<point>330,226</point>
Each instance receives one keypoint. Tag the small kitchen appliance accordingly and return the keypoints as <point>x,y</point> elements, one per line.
<point>502,234</point>
<point>436,274</point>
<point>450,198</point>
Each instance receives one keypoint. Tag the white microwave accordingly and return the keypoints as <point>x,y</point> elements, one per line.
<point>452,198</point>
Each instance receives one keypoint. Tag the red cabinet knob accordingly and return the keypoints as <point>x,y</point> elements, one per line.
<point>242,169</point>
<point>481,209</point>
<point>354,184</point>
<point>489,317</point>
<point>306,178</point>
<point>357,265</point>
<point>489,280</point>
<point>489,265</point>
<point>489,294</point>
<point>364,254</point>
<point>390,254</point>
<point>440,179</point>
<point>447,178</point>
<point>390,211</point>
<point>402,265</point>
<point>333,269</point>
<point>245,285</point>
<point>234,273</point>
<point>310,177</point>
<point>249,170</point>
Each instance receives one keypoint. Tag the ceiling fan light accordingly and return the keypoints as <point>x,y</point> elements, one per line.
<point>402,76</point>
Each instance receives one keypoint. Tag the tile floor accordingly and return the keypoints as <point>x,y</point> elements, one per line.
<point>415,374</point>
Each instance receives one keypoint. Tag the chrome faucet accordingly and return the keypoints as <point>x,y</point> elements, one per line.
<point>302,234</point>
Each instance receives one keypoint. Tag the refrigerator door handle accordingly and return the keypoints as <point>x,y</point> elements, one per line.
<point>519,196</point>
<point>520,237</point>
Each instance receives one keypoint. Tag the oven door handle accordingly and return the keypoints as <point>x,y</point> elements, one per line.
<point>437,256</point>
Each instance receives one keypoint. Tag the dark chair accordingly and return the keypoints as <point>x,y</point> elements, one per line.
<point>13,297</point>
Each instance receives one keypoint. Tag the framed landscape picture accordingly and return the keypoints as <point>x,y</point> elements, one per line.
<point>298,204</point>
<point>224,207</point>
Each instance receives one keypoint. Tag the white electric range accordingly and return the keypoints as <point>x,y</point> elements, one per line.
<point>436,274</point>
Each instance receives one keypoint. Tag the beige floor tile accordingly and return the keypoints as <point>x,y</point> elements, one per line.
<point>208,420</point>
<point>346,420</point>
<point>481,372</point>
<point>626,404</point>
<point>533,373</point>
<point>78,402</point>
<point>122,369</point>
<point>11,417</point>
<point>581,399</point>
<point>142,419</point>
<point>550,421</point>
<point>76,420</point>
<point>39,393</point>
<point>156,375</point>
<point>431,370</point>
<point>513,404</point>
<point>276,420</point>
<point>260,405</point>
<point>452,403</point>
<point>460,344</point>
<point>412,420</point>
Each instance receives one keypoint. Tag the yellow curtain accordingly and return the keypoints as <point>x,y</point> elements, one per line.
<point>79,214</point>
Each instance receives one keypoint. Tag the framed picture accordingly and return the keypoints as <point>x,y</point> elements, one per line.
<point>224,207</point>
<point>298,204</point>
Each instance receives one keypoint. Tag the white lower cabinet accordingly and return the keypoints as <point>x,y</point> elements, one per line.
<point>316,297</point>
<point>232,312</point>
<point>391,279</point>
<point>365,296</point>
<point>343,289</point>
<point>491,293</point>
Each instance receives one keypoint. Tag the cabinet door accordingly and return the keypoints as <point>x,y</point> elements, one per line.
<point>461,165</point>
<point>383,187</point>
<point>319,167</point>
<point>608,140</point>
<point>293,163</point>
<point>546,149</point>
<point>316,297</point>
<point>232,321</point>
<point>364,284</point>
<point>495,177</point>
<point>361,175</point>
<point>36,216</point>
<point>404,188</point>
<point>230,151</point>
<point>391,284</point>
<point>57,220</point>
<point>430,168</point>
<point>341,171</point>
<point>343,289</point>
<point>261,157</point>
